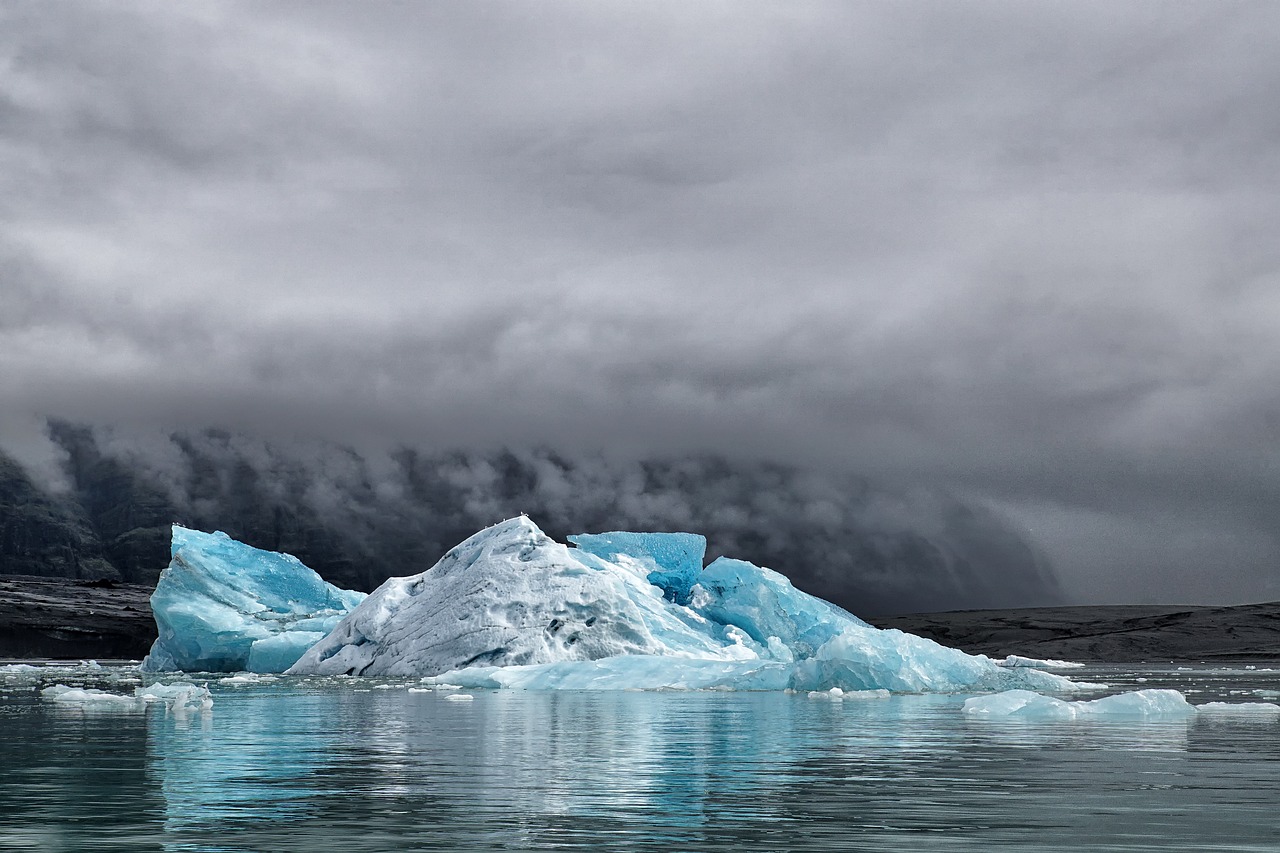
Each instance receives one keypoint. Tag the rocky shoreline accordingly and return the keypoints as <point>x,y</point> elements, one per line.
<point>55,618</point>
<point>52,618</point>
<point>1106,633</point>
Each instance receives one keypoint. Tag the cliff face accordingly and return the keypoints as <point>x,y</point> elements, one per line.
<point>359,519</point>
<point>43,534</point>
<point>58,618</point>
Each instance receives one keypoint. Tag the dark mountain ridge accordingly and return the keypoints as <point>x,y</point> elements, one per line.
<point>358,519</point>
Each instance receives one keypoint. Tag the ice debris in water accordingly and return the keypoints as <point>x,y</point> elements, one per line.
<point>1262,709</point>
<point>1025,704</point>
<point>671,561</point>
<point>1037,663</point>
<point>1137,704</point>
<point>180,697</point>
<point>510,607</point>
<point>222,606</point>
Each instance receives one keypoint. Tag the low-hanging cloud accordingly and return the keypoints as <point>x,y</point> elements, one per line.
<point>1023,252</point>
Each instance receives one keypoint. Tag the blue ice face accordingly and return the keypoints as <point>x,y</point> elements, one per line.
<point>223,606</point>
<point>765,604</point>
<point>676,558</point>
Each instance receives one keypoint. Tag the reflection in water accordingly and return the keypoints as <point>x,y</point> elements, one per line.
<point>353,765</point>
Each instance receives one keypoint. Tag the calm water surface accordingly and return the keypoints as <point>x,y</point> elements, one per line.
<point>358,765</point>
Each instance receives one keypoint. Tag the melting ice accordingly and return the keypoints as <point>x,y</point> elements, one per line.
<point>222,606</point>
<point>510,607</point>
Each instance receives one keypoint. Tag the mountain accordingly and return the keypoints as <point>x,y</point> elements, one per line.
<point>358,518</point>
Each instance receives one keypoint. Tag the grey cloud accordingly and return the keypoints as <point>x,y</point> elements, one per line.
<point>1020,250</point>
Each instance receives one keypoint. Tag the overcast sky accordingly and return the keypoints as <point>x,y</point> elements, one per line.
<point>1029,251</point>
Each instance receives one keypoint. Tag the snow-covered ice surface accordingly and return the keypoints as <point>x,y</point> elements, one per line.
<point>511,608</point>
<point>222,606</point>
<point>511,596</point>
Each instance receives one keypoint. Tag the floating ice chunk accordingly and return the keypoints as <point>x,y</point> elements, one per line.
<point>245,678</point>
<point>18,668</point>
<point>865,658</point>
<point>511,608</point>
<point>671,561</point>
<point>1263,709</point>
<point>1140,704</point>
<point>764,604</point>
<point>180,696</point>
<point>1036,663</point>
<point>222,606</point>
<point>511,596</point>
<point>91,697</point>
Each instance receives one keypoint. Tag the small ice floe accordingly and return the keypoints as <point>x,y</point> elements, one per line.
<point>1037,663</point>
<point>90,697</point>
<point>1139,704</point>
<point>244,678</point>
<point>1250,709</point>
<point>179,697</point>
<point>833,693</point>
<point>855,695</point>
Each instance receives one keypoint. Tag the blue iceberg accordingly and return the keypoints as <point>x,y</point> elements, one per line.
<point>222,606</point>
<point>512,608</point>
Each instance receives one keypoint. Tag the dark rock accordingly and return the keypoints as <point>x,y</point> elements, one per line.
<point>53,618</point>
<point>1105,633</point>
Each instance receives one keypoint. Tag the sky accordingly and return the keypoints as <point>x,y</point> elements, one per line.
<point>1024,251</point>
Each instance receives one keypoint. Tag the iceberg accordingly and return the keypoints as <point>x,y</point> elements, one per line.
<point>512,608</point>
<point>223,606</point>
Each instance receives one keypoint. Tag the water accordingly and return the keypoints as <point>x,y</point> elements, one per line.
<point>356,765</point>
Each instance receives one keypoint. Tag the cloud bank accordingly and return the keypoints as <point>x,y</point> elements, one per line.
<point>1020,251</point>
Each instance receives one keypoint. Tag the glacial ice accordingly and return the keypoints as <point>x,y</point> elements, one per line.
<point>510,596</point>
<point>512,608</point>
<point>1139,704</point>
<point>671,561</point>
<point>222,606</point>
<point>1253,709</point>
<point>1038,663</point>
<point>1136,704</point>
<point>179,697</point>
